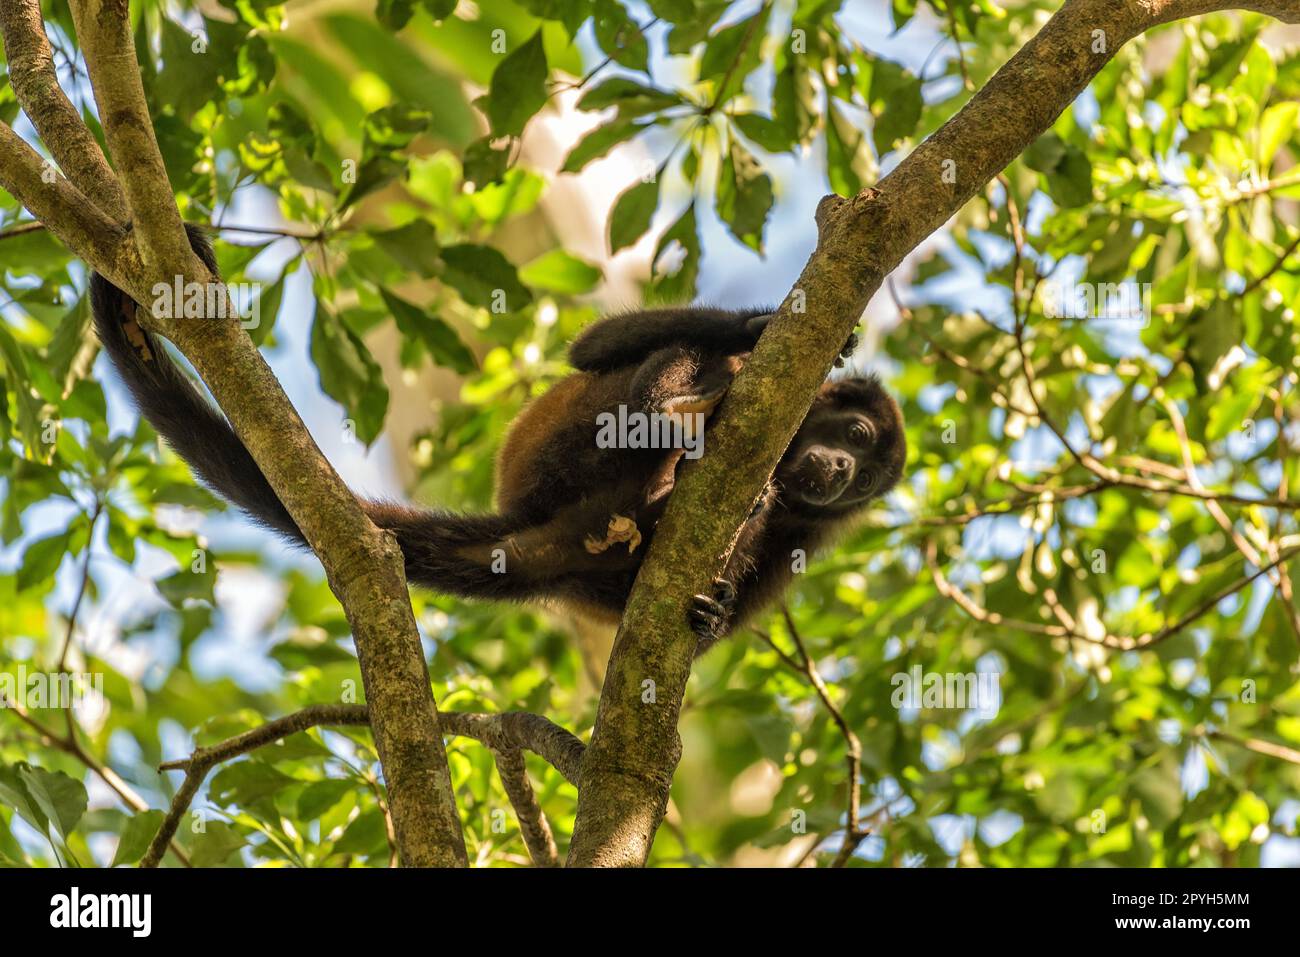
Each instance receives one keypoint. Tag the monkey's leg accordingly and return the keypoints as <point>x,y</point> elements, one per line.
<point>600,534</point>
<point>628,339</point>
<point>680,383</point>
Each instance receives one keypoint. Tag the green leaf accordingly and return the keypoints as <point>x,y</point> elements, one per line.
<point>732,53</point>
<point>518,88</point>
<point>268,308</point>
<point>600,141</point>
<point>14,365</point>
<point>896,103</point>
<point>619,36</point>
<point>444,345</point>
<point>484,277</point>
<point>62,799</point>
<point>560,271</point>
<point>439,9</point>
<point>1276,128</point>
<point>372,175</point>
<point>744,196</point>
<point>186,583</point>
<point>319,796</point>
<point>70,343</point>
<point>631,97</point>
<point>484,163</point>
<point>41,559</point>
<point>1214,331</point>
<point>136,836</point>
<point>217,842</point>
<point>14,793</point>
<point>764,131</point>
<point>679,284</point>
<point>1229,416</point>
<point>191,69</point>
<point>246,782</point>
<point>1045,153</point>
<point>1160,792</point>
<point>414,246</point>
<point>348,373</point>
<point>1070,183</point>
<point>394,14</point>
<point>366,835</point>
<point>632,212</point>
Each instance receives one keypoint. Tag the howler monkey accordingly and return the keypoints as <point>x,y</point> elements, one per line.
<point>574,519</point>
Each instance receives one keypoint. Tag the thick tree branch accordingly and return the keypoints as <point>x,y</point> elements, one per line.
<point>36,84</point>
<point>628,769</point>
<point>104,32</point>
<point>66,211</point>
<point>363,564</point>
<point>515,730</point>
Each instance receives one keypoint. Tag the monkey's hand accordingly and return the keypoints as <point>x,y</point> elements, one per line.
<point>764,500</point>
<point>709,616</point>
<point>850,344</point>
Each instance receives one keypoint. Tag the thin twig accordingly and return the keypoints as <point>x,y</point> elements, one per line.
<point>511,730</point>
<point>70,746</point>
<point>854,833</point>
<point>1259,746</point>
<point>1118,642</point>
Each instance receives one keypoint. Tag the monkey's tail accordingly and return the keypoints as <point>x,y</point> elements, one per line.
<point>172,403</point>
<point>197,431</point>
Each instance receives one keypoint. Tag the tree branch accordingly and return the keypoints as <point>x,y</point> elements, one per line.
<point>854,832</point>
<point>1259,746</point>
<point>104,32</point>
<point>36,84</point>
<point>364,566</point>
<point>65,210</point>
<point>532,821</point>
<point>504,733</point>
<point>635,747</point>
<point>71,746</point>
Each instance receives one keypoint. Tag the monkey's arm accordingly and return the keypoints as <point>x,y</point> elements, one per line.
<point>628,339</point>
<point>759,571</point>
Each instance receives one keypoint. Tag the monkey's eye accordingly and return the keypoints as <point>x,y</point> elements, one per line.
<point>866,480</point>
<point>861,434</point>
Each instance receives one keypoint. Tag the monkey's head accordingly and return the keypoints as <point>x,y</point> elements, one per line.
<point>850,449</point>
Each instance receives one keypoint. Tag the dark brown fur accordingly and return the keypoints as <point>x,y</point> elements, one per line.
<point>557,491</point>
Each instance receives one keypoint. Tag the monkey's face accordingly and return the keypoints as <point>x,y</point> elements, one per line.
<point>849,450</point>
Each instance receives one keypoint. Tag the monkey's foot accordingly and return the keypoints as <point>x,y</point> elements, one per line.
<point>621,529</point>
<point>684,408</point>
<point>710,615</point>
